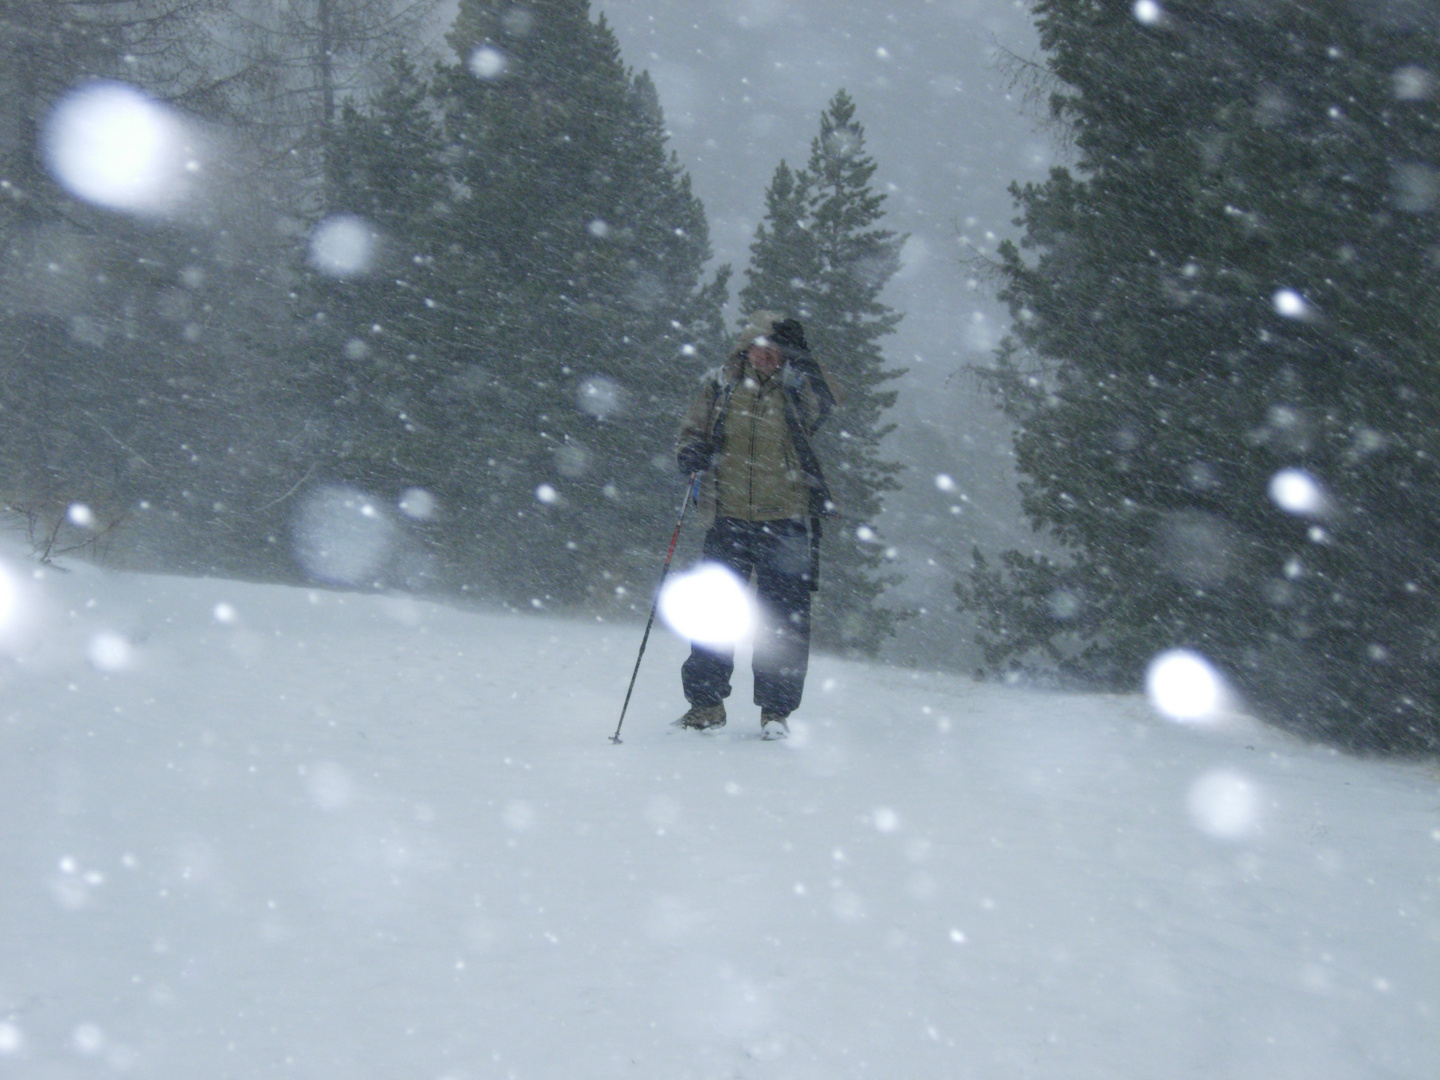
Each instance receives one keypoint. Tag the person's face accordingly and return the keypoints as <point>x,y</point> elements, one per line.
<point>764,359</point>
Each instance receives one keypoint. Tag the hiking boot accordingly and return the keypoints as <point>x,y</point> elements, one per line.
<point>773,725</point>
<point>703,717</point>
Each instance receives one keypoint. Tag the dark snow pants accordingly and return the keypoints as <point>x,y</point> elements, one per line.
<point>778,554</point>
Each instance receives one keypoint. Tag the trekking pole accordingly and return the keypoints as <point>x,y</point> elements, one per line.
<point>691,492</point>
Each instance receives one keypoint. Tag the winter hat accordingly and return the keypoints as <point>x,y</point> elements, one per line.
<point>761,324</point>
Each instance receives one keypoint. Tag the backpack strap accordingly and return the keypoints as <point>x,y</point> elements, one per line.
<point>815,533</point>
<point>720,393</point>
<point>820,502</point>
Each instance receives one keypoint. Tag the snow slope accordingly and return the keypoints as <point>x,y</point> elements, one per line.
<point>255,831</point>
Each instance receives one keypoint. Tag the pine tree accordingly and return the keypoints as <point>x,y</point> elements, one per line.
<point>784,259</point>
<point>819,255</point>
<point>537,347</point>
<point>1233,290</point>
<point>378,364</point>
<point>291,68</point>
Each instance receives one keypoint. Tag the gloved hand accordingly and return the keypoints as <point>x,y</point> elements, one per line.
<point>802,369</point>
<point>789,335</point>
<point>694,456</point>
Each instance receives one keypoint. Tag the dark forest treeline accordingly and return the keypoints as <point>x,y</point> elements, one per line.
<point>479,391</point>
<point>1224,366</point>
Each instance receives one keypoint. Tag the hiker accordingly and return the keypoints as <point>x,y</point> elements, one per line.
<point>748,432</point>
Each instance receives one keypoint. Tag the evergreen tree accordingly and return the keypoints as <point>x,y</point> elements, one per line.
<point>379,359</point>
<point>573,288</point>
<point>821,256</point>
<point>291,67</point>
<point>1229,300</point>
<point>389,165</point>
<point>520,352</point>
<point>784,258</point>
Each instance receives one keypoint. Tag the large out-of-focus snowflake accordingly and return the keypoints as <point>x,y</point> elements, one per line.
<point>111,145</point>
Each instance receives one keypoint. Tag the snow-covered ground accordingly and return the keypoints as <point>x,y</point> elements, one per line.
<point>253,831</point>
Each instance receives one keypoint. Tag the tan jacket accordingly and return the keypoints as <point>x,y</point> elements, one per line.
<point>757,473</point>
